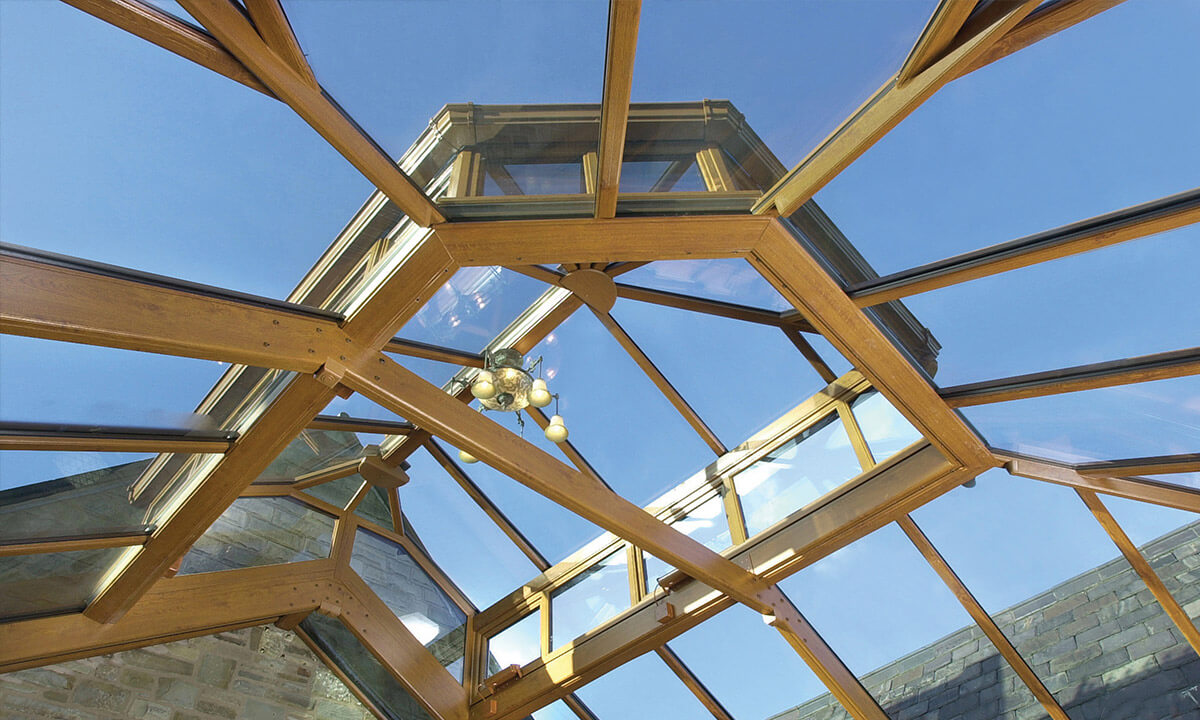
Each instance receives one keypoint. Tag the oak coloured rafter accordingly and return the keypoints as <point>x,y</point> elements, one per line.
<point>272,24</point>
<point>90,438</point>
<point>1158,465</point>
<point>935,39</point>
<point>620,50</point>
<point>1132,488</point>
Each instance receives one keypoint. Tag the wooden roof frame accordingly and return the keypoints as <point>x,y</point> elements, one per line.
<point>78,304</point>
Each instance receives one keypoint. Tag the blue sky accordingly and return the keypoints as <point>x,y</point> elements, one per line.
<point>114,150</point>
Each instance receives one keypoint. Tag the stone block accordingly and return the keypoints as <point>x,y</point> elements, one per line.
<point>216,671</point>
<point>102,696</point>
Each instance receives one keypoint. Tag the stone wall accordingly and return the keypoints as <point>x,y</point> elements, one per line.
<point>1100,643</point>
<point>256,674</point>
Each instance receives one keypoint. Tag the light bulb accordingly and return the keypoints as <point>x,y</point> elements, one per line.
<point>539,395</point>
<point>467,457</point>
<point>483,388</point>
<point>556,431</point>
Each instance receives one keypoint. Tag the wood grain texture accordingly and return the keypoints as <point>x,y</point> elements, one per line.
<point>272,24</point>
<point>536,242</point>
<point>935,39</point>
<point>1150,491</point>
<point>803,282</point>
<point>621,48</point>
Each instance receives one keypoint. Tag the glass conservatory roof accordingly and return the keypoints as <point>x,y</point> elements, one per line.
<point>872,319</point>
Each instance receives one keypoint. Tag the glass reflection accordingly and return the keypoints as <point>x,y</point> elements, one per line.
<point>51,583</point>
<point>808,466</point>
<point>362,668</point>
<point>589,598</point>
<point>260,531</point>
<point>472,307</point>
<point>726,279</point>
<point>424,608</point>
<point>52,494</point>
<point>675,175</point>
<point>887,431</point>
<point>707,524</point>
<point>517,644</point>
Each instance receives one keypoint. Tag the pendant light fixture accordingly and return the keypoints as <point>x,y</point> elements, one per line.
<point>506,385</point>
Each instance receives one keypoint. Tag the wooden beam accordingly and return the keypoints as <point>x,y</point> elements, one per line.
<point>801,279</point>
<point>939,33</point>
<point>693,683</point>
<point>254,451</point>
<point>1145,368</point>
<point>982,618</point>
<point>1120,226</point>
<point>360,425</point>
<point>1150,491</point>
<point>402,391</point>
<point>171,33</point>
<point>412,348</point>
<point>886,108</point>
<point>706,306</point>
<point>54,298</point>
<point>1047,20</point>
<point>1161,465</point>
<point>821,659</point>
<point>175,608</point>
<point>485,503</point>
<point>234,31</point>
<point>89,438</point>
<point>1142,567</point>
<point>70,544</point>
<point>377,627</point>
<point>662,383</point>
<point>534,242</point>
<point>900,484</point>
<point>567,447</point>
<point>272,24</point>
<point>623,17</point>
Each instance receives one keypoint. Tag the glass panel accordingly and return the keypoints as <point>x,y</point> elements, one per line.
<point>517,644</point>
<point>541,179</point>
<point>219,174</point>
<point>362,668</point>
<point>802,470</point>
<point>312,450</point>
<point>51,583</point>
<point>353,50</point>
<point>1073,311</point>
<point>57,382</point>
<point>671,175</point>
<point>887,431</point>
<point>1052,579</point>
<point>729,280</point>
<point>260,531</point>
<point>357,406</point>
<point>1129,421</point>
<point>590,598</point>
<point>617,418</point>
<point>737,384</point>
<point>897,626</point>
<point>375,508</point>
<point>746,688</point>
<point>413,596</point>
<point>706,524</point>
<point>337,492</point>
<point>472,307</point>
<point>642,688</point>
<point>463,540</point>
<point>715,51</point>
<point>53,494</point>
<point>1069,160</point>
